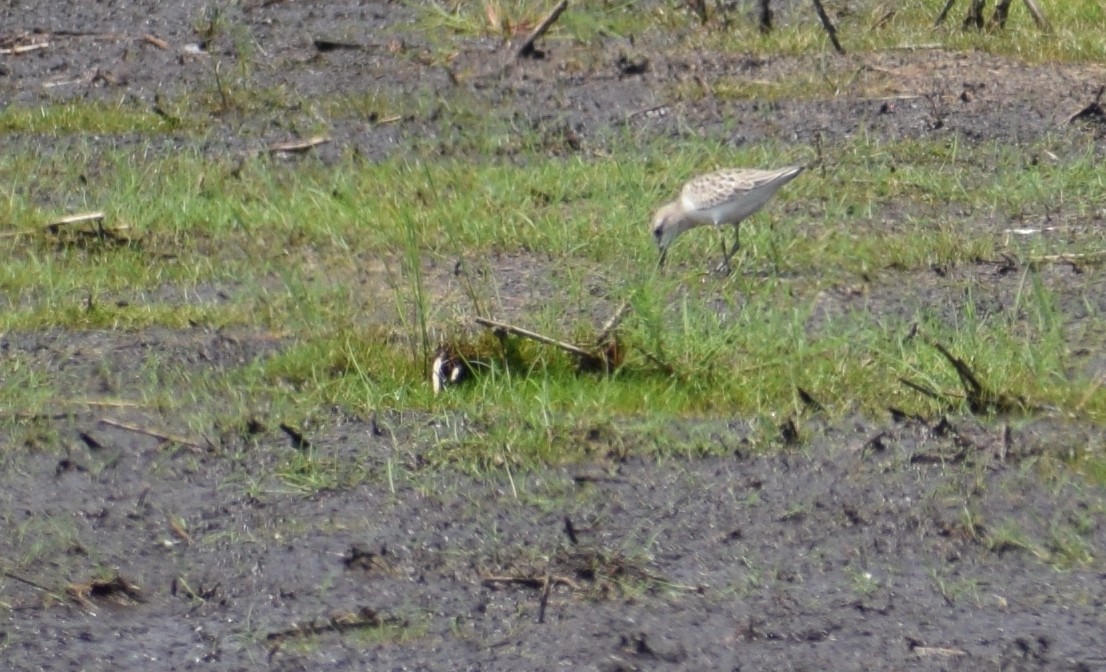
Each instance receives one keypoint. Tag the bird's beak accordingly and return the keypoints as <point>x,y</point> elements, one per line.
<point>664,255</point>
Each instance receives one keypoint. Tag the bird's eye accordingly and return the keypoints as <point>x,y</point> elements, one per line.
<point>657,233</point>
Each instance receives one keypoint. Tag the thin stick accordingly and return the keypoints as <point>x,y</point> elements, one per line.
<point>612,324</point>
<point>298,145</point>
<point>543,602</point>
<point>178,530</point>
<point>24,48</point>
<point>56,224</point>
<point>219,85</point>
<point>530,581</point>
<point>90,34</point>
<point>526,333</point>
<point>527,46</point>
<point>157,435</point>
<point>923,651</point>
<point>150,38</point>
<point>1070,258</point>
<point>106,403</point>
<point>364,618</point>
<point>828,25</point>
<point>924,46</point>
<point>1044,229</point>
<point>12,575</point>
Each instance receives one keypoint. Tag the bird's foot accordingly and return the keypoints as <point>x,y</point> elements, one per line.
<point>723,269</point>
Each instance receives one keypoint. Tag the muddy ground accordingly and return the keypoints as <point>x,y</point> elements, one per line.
<point>875,543</point>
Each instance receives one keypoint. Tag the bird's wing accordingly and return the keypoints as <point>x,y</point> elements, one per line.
<point>713,189</point>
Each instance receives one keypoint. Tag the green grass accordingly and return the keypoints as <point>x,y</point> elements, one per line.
<point>349,265</point>
<point>81,117</point>
<point>899,25</point>
<point>514,18</point>
<point>872,27</point>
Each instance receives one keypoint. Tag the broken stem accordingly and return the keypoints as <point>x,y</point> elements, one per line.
<point>534,336</point>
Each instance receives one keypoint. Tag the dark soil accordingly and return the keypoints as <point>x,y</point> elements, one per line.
<point>858,544</point>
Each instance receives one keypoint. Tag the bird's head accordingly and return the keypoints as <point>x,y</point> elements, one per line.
<point>667,224</point>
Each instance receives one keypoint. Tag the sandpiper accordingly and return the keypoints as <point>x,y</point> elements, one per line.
<point>722,197</point>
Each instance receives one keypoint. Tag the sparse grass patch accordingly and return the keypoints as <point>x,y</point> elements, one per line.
<point>1095,469</point>
<point>508,18</point>
<point>82,117</point>
<point>347,262</point>
<point>1066,546</point>
<point>1073,38</point>
<point>309,473</point>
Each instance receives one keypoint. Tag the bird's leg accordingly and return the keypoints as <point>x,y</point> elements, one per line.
<point>724,267</point>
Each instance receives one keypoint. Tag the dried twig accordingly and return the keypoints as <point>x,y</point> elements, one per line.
<point>33,584</point>
<point>106,403</point>
<point>923,651</point>
<point>91,34</point>
<point>156,41</point>
<point>219,86</point>
<point>298,145</point>
<point>537,583</point>
<point>526,49</point>
<point>179,530</point>
<point>1031,232</point>
<point>162,436</point>
<point>55,225</point>
<point>611,324</point>
<point>1073,258</point>
<point>546,589</point>
<point>365,617</point>
<point>24,48</point>
<point>534,336</point>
